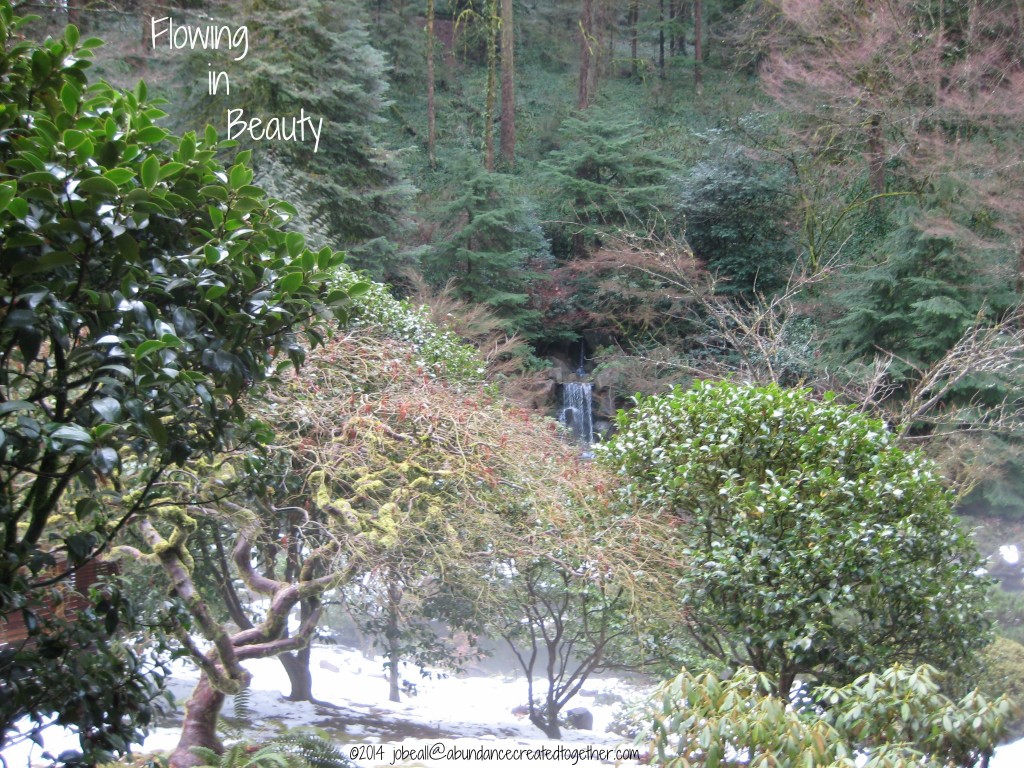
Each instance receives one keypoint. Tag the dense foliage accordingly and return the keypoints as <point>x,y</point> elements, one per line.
<point>488,246</point>
<point>816,546</point>
<point>145,289</point>
<point>897,718</point>
<point>316,57</point>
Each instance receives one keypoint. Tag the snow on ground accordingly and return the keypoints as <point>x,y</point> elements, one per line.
<point>443,724</point>
<point>451,721</point>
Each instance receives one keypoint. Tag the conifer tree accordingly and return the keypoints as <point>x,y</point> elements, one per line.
<point>923,291</point>
<point>317,56</point>
<point>603,177</point>
<point>487,249</point>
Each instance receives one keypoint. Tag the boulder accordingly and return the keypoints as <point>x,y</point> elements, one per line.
<point>580,718</point>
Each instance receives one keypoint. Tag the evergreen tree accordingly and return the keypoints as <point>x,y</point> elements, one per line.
<point>604,177</point>
<point>930,284</point>
<point>734,211</point>
<point>316,56</point>
<point>926,287</point>
<point>489,246</point>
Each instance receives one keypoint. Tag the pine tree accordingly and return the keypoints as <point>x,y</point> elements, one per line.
<point>489,246</point>
<point>604,177</point>
<point>316,56</point>
<point>923,291</point>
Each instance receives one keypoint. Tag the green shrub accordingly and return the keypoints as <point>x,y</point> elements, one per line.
<point>816,546</point>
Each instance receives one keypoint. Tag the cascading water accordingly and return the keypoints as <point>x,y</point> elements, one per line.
<point>576,412</point>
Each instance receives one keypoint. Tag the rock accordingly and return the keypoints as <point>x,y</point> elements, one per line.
<point>596,338</point>
<point>560,372</point>
<point>540,393</point>
<point>329,667</point>
<point>580,718</point>
<point>521,711</point>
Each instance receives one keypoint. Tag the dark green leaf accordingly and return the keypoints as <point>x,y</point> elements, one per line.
<point>150,172</point>
<point>291,282</point>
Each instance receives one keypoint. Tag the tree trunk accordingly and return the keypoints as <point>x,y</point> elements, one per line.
<point>586,26</point>
<point>393,635</point>
<point>431,108</point>
<point>199,728</point>
<point>787,678</point>
<point>940,43</point>
<point>492,83</point>
<point>698,45</point>
<point>299,677</point>
<point>394,677</point>
<point>547,723</point>
<point>508,95</point>
<point>681,18</point>
<point>672,30</point>
<point>876,158</point>
<point>634,20</point>
<point>661,38</point>
<point>604,36</point>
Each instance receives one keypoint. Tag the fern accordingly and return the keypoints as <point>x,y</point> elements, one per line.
<point>242,704</point>
<point>314,751</point>
<point>290,750</point>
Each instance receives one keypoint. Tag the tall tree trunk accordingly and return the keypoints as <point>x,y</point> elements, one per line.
<point>698,45</point>
<point>634,20</point>
<point>508,94</point>
<point>431,107</point>
<point>661,38</point>
<point>682,19</point>
<point>604,32</point>
<point>672,29</point>
<point>199,728</point>
<point>492,83</point>
<point>586,28</point>
<point>940,43</point>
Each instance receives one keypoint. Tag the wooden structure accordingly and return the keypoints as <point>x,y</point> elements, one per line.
<point>75,587</point>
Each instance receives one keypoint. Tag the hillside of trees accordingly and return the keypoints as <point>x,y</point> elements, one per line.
<point>795,192</point>
<point>286,324</point>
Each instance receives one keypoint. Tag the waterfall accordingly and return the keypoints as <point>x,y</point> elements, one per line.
<point>576,411</point>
